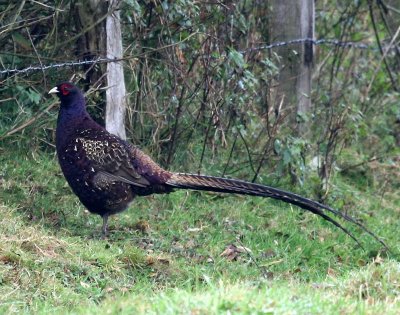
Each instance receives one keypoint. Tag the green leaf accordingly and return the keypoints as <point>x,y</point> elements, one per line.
<point>237,58</point>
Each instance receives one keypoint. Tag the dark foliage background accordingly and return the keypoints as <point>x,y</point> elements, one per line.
<point>201,100</point>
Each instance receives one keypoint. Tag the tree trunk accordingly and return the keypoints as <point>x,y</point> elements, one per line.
<point>294,19</point>
<point>393,21</point>
<point>116,92</point>
<point>102,37</point>
<point>92,44</point>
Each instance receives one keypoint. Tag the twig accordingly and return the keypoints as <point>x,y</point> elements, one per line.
<point>175,129</point>
<point>230,155</point>
<point>263,270</point>
<point>371,13</point>
<point>28,122</point>
<point>37,55</point>
<point>205,141</point>
<point>383,58</point>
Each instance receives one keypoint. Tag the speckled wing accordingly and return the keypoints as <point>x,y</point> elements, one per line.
<point>109,156</point>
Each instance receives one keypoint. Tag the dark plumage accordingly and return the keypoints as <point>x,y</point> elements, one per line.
<point>106,172</point>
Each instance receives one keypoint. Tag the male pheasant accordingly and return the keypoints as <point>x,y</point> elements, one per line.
<point>107,173</point>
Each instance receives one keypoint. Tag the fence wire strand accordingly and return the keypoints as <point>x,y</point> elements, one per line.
<point>326,42</point>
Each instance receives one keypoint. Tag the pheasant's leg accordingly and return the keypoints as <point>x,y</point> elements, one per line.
<point>105,226</point>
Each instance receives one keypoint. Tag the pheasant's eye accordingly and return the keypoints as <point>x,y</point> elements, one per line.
<point>65,88</point>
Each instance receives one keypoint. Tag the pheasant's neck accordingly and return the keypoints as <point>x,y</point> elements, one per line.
<point>68,123</point>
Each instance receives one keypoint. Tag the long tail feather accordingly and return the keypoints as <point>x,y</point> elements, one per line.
<point>225,185</point>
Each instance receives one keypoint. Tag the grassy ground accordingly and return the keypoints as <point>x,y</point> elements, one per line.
<point>186,252</point>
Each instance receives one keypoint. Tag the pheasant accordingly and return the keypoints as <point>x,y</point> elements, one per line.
<point>107,173</point>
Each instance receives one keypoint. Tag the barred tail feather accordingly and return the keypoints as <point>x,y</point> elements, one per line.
<point>225,185</point>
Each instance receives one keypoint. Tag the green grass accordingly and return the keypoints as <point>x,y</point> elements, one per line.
<point>163,255</point>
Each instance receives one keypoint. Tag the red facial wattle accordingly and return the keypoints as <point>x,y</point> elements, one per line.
<point>64,89</point>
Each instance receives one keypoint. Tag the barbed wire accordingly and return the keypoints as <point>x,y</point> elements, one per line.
<point>327,42</point>
<point>57,65</point>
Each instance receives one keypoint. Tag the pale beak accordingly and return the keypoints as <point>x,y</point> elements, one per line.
<point>54,90</point>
